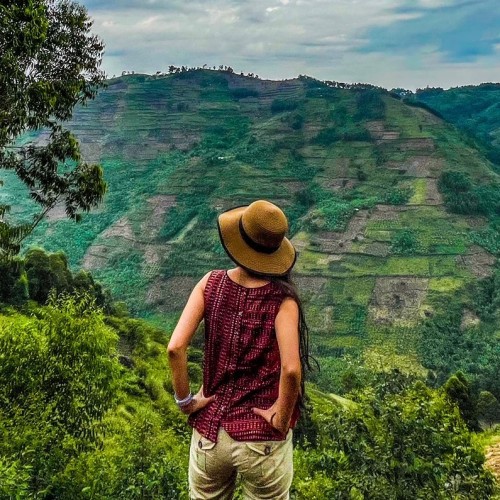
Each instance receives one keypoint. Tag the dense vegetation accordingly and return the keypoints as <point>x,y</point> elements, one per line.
<point>77,423</point>
<point>473,109</point>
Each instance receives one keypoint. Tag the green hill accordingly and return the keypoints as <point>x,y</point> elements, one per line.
<point>382,261</point>
<point>473,109</point>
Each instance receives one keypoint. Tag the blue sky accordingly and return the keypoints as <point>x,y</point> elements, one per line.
<point>392,43</point>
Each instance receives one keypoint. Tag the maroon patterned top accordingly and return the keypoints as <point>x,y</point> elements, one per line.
<point>242,361</point>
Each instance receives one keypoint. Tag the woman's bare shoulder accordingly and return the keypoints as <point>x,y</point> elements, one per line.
<point>203,282</point>
<point>289,306</point>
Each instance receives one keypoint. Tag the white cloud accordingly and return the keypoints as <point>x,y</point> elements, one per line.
<point>150,20</point>
<point>320,38</point>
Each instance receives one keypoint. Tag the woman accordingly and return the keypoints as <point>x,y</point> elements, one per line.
<point>254,360</point>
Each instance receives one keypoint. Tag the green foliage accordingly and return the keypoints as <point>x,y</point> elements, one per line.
<point>37,39</point>
<point>11,271</point>
<point>485,296</point>
<point>170,173</point>
<point>58,378</point>
<point>20,291</point>
<point>46,272</point>
<point>242,93</point>
<point>142,459</point>
<point>332,212</point>
<point>446,347</point>
<point>39,274</point>
<point>463,197</point>
<point>281,105</point>
<point>423,105</point>
<point>488,408</point>
<point>458,389</point>
<point>370,105</point>
<point>473,109</point>
<point>404,242</point>
<point>458,192</point>
<point>398,195</point>
<point>488,238</point>
<point>331,135</point>
<point>14,479</point>
<point>400,440</point>
<point>303,201</point>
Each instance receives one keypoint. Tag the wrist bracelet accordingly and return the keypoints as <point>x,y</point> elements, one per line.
<point>183,402</point>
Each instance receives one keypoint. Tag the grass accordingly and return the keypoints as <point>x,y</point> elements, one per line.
<point>419,192</point>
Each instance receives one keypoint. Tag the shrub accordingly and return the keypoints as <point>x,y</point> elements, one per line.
<point>281,105</point>
<point>242,93</point>
<point>404,242</point>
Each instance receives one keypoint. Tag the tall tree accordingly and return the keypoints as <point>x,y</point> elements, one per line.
<point>49,62</point>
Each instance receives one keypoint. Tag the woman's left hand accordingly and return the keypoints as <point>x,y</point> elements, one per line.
<point>274,417</point>
<point>199,401</point>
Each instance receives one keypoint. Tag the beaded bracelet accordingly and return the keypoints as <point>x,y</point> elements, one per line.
<point>181,403</point>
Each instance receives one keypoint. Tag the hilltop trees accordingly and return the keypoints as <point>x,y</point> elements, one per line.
<point>49,63</point>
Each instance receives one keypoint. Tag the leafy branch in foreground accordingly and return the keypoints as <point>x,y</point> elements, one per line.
<point>49,63</point>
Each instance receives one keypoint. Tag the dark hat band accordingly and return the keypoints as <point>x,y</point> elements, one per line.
<point>253,244</point>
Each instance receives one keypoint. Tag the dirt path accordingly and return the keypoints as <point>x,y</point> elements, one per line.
<point>493,459</point>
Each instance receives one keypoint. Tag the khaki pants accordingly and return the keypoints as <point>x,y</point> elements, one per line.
<point>266,467</point>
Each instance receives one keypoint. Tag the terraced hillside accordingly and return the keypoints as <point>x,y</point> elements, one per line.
<point>357,172</point>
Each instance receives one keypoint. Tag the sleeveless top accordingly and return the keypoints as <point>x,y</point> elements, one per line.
<point>241,363</point>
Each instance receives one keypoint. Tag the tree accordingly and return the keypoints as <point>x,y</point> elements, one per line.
<point>488,408</point>
<point>49,63</point>
<point>46,273</point>
<point>458,389</point>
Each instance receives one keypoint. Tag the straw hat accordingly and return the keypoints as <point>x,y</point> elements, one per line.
<point>254,238</point>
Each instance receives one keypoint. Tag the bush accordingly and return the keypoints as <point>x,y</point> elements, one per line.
<point>242,93</point>
<point>404,242</point>
<point>58,378</point>
<point>463,197</point>
<point>398,196</point>
<point>281,105</point>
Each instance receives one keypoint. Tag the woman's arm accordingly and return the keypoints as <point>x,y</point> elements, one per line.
<point>287,334</point>
<point>179,342</point>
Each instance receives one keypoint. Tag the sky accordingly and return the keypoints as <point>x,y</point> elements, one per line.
<point>391,43</point>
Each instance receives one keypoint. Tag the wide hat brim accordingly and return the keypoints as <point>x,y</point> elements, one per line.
<point>278,263</point>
